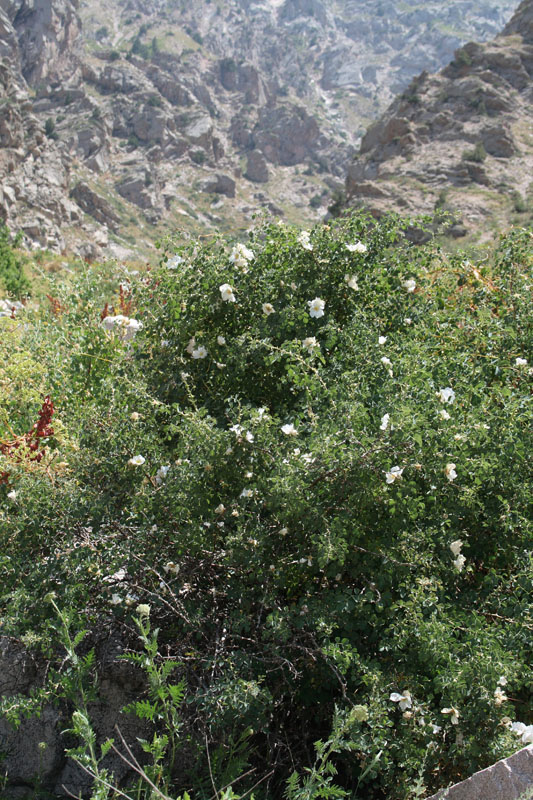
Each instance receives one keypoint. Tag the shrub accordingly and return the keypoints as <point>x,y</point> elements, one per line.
<point>12,278</point>
<point>478,154</point>
<point>312,462</point>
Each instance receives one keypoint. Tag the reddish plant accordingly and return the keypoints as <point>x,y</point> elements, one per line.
<point>31,441</point>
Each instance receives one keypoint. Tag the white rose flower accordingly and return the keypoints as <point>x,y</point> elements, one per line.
<point>446,395</point>
<point>226,292</point>
<point>309,344</point>
<point>12,495</point>
<point>521,362</point>
<point>385,419</point>
<point>499,696</point>
<point>410,285</point>
<point>116,599</point>
<point>386,361</point>
<point>241,256</point>
<point>161,474</point>
<point>382,339</point>
<point>268,309</point>
<point>304,240</point>
<point>220,509</point>
<point>174,262</point>
<point>357,247</point>
<point>404,699</point>
<point>137,461</point>
<point>459,562</point>
<point>289,429</point>
<point>449,471</point>
<point>456,546</point>
<point>454,715</point>
<point>408,321</point>
<point>444,414</point>
<point>199,352</point>
<point>394,475</point>
<point>221,341</point>
<point>351,280</point>
<point>502,680</point>
<point>246,493</point>
<point>170,566</point>
<point>316,307</point>
<point>190,347</point>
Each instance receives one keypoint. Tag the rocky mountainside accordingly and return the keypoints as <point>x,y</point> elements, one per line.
<point>121,120</point>
<point>461,139</point>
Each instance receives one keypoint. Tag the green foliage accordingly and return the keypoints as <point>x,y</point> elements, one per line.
<point>284,491</point>
<point>12,278</point>
<point>478,154</point>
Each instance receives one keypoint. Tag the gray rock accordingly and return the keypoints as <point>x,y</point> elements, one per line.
<point>509,779</point>
<point>256,167</point>
<point>95,205</point>
<point>219,184</point>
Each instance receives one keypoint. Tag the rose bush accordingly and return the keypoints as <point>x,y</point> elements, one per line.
<point>312,463</point>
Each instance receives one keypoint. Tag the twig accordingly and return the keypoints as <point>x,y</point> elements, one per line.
<point>210,770</point>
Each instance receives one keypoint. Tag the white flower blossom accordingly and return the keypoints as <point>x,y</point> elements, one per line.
<point>236,429</point>
<point>435,729</point>
<point>199,352</point>
<point>444,414</point>
<point>351,280</point>
<point>161,474</point>
<point>116,599</point>
<point>126,327</point>
<point>357,247</point>
<point>385,419</point>
<point>170,566</point>
<point>499,696</point>
<point>524,731</point>
<point>226,292</point>
<point>446,395</point>
<point>449,471</point>
<point>190,347</point>
<point>268,309</point>
<point>289,429</point>
<point>502,680</point>
<point>521,362</point>
<point>12,495</point>
<point>408,321</point>
<point>459,562</point>
<point>249,436</point>
<point>246,493</point>
<point>137,461</point>
<point>454,714</point>
<point>316,307</point>
<point>456,546</point>
<point>304,240</point>
<point>220,509</point>
<point>382,339</point>
<point>404,699</point>
<point>386,361</point>
<point>241,256</point>
<point>309,344</point>
<point>409,284</point>
<point>394,475</point>
<point>221,341</point>
<point>174,262</point>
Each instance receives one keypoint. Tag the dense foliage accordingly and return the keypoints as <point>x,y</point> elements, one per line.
<point>311,461</point>
<point>12,278</point>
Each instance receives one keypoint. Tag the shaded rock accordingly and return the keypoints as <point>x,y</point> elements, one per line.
<point>498,141</point>
<point>91,202</point>
<point>256,167</point>
<point>286,134</point>
<point>509,779</point>
<point>219,184</point>
<point>136,189</point>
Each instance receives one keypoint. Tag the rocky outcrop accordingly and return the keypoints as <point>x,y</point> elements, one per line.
<point>139,100</point>
<point>457,140</point>
<point>36,749</point>
<point>509,779</point>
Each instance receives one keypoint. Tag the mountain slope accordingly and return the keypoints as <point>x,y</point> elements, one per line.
<point>461,139</point>
<point>123,121</point>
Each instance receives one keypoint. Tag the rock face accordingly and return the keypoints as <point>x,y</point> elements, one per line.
<point>26,758</point>
<point>459,139</point>
<point>509,779</point>
<point>145,103</point>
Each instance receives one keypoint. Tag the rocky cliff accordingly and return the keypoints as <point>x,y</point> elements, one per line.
<point>120,121</point>
<point>461,139</point>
